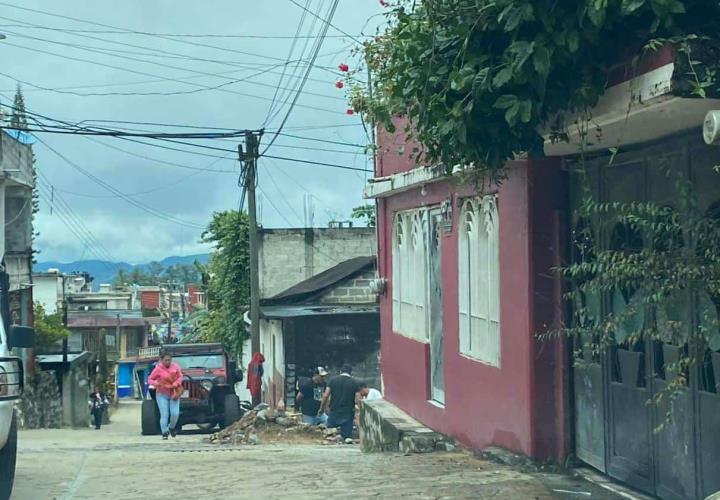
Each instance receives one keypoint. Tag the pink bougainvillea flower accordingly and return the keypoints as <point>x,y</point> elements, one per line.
<point>350,112</point>
<point>384,3</point>
<point>344,68</point>
<point>339,85</point>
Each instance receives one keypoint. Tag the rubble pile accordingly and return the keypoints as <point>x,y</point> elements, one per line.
<point>266,425</point>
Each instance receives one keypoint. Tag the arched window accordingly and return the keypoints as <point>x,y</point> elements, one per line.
<point>409,284</point>
<point>479,280</point>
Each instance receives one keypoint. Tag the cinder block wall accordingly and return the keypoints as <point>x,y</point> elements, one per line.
<point>289,256</point>
<point>353,291</point>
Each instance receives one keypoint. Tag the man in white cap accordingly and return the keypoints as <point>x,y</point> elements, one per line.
<point>309,396</point>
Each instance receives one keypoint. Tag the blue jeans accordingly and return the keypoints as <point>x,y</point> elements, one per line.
<point>314,420</point>
<point>169,412</point>
<point>344,422</point>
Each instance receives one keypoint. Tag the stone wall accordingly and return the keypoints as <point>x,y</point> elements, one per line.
<point>386,428</point>
<point>289,256</point>
<point>41,405</point>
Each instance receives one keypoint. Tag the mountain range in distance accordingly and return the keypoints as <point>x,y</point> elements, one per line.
<point>104,271</point>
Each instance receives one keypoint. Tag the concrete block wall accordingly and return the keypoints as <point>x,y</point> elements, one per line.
<point>355,290</point>
<point>289,256</point>
<point>18,217</point>
<point>15,156</point>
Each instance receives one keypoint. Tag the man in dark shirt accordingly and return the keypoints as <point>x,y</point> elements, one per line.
<point>342,392</point>
<point>309,396</point>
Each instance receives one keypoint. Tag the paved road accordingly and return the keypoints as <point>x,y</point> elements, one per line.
<point>117,462</point>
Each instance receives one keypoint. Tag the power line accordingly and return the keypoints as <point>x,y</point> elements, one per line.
<point>157,80</point>
<point>164,37</point>
<point>289,56</point>
<point>20,212</point>
<point>355,39</point>
<point>177,35</point>
<point>322,164</point>
<point>141,206</point>
<point>109,52</point>
<point>171,164</point>
<point>69,130</point>
<point>176,80</point>
<point>273,112</point>
<point>316,51</point>
<point>139,193</point>
<point>161,93</point>
<point>327,141</point>
<point>283,197</point>
<point>62,216</point>
<point>158,52</point>
<point>81,230</point>
<point>272,204</point>
<point>75,219</point>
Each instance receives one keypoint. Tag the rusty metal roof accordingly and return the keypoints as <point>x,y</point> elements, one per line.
<point>109,319</point>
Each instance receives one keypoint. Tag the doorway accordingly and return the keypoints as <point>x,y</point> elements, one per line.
<point>435,313</point>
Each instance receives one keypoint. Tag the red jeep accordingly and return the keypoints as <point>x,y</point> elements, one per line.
<point>209,397</point>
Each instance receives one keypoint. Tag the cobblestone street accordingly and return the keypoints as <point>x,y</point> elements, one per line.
<point>117,462</point>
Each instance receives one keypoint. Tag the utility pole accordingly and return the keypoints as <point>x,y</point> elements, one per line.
<point>251,156</point>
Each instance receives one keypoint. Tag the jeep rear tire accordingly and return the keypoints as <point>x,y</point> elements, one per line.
<point>231,413</point>
<point>150,418</point>
<point>7,461</point>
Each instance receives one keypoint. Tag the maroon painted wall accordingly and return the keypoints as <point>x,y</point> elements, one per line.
<point>395,153</point>
<point>484,405</point>
<point>550,378</point>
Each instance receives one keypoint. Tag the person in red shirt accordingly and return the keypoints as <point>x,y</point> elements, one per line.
<point>167,379</point>
<point>254,379</point>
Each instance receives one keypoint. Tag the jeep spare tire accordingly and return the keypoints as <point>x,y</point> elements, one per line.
<point>150,418</point>
<point>231,412</point>
<point>8,455</point>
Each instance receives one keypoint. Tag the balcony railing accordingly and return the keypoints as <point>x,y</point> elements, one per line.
<point>149,352</point>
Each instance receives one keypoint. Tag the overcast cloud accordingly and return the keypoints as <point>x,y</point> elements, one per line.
<point>126,232</point>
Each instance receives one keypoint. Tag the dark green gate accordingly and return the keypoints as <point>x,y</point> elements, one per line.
<point>615,427</point>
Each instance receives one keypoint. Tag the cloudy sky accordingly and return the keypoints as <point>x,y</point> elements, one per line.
<point>86,47</point>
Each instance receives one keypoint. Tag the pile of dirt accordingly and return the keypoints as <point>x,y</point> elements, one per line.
<point>264,425</point>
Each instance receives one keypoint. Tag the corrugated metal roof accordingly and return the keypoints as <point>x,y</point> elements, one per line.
<point>108,318</point>
<point>277,312</point>
<point>58,358</point>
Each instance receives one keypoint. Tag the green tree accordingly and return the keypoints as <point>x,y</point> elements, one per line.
<point>121,278</point>
<point>18,120</point>
<point>364,213</point>
<point>479,80</point>
<point>18,117</point>
<point>49,329</point>
<point>155,270</point>
<point>226,279</point>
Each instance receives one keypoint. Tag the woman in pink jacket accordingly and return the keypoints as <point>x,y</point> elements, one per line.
<point>167,379</point>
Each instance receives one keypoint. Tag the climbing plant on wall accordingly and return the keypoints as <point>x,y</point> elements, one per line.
<point>483,81</point>
<point>480,79</point>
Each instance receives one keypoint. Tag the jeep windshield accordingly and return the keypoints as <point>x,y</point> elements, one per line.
<point>204,361</point>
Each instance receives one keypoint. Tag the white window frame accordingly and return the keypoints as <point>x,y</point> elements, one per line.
<point>479,280</point>
<point>410,274</point>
